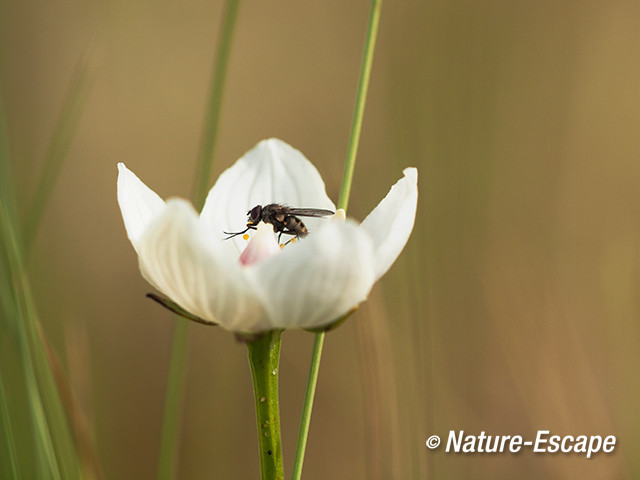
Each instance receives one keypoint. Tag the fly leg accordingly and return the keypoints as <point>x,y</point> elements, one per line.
<point>288,232</point>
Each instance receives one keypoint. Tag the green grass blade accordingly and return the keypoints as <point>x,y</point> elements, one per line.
<point>343,202</point>
<point>53,454</point>
<point>361,100</point>
<point>8,451</point>
<point>175,383</point>
<point>167,461</point>
<point>214,107</point>
<point>45,457</point>
<point>63,133</point>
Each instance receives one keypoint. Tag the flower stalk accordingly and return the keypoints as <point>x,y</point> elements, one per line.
<point>264,357</point>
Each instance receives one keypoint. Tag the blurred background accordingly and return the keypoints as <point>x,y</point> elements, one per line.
<point>515,307</point>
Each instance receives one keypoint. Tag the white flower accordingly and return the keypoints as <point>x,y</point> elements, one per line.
<point>308,284</point>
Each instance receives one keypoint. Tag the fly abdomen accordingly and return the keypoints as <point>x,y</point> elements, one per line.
<point>295,226</point>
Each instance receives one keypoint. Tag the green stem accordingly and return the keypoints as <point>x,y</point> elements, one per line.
<point>65,129</point>
<point>10,449</point>
<point>214,106</point>
<point>173,400</point>
<point>361,97</point>
<point>345,191</point>
<point>53,451</point>
<point>308,404</point>
<point>264,356</point>
<point>178,362</point>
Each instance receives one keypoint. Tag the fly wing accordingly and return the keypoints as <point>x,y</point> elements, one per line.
<point>310,212</point>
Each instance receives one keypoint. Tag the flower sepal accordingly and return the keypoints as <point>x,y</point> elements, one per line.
<point>178,310</point>
<point>333,325</point>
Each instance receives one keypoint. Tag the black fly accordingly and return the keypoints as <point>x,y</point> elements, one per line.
<point>284,219</point>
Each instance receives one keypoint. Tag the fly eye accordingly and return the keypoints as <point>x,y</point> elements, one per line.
<point>254,214</point>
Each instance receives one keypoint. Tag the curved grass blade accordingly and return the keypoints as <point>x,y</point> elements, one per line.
<point>58,148</point>
<point>53,454</point>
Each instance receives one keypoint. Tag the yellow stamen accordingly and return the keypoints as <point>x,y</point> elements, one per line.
<point>245,236</point>
<point>293,240</point>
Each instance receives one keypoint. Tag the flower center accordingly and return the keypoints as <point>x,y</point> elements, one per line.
<point>261,246</point>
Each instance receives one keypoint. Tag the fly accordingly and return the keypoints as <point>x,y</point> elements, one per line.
<point>284,219</point>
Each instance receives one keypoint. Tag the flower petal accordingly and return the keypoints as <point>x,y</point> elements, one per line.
<point>191,266</point>
<point>391,222</point>
<point>138,204</point>
<point>317,280</point>
<point>272,172</point>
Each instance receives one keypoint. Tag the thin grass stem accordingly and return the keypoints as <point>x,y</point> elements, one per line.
<point>214,105</point>
<point>309,395</point>
<point>64,131</point>
<point>167,464</point>
<point>10,466</point>
<point>361,98</point>
<point>54,452</point>
<point>345,191</point>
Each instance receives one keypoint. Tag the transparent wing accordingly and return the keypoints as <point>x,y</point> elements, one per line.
<point>309,212</point>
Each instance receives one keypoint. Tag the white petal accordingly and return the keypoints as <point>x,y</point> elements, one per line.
<point>138,204</point>
<point>192,267</point>
<point>272,172</point>
<point>319,279</point>
<point>391,222</point>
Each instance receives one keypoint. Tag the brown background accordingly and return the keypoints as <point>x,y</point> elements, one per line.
<point>515,305</point>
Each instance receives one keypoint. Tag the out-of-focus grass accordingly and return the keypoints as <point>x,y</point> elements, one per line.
<point>36,440</point>
<point>514,306</point>
<point>58,149</point>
